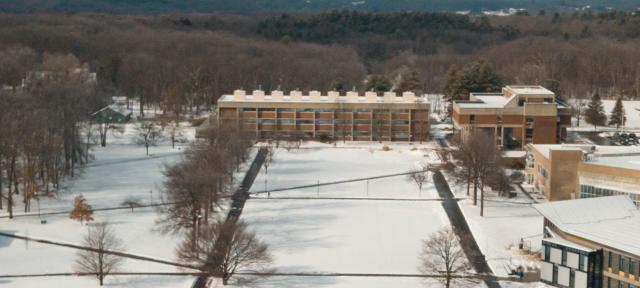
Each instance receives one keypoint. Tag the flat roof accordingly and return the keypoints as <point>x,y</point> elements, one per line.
<point>529,89</point>
<point>485,100</point>
<point>412,99</point>
<point>629,161</point>
<point>614,156</point>
<point>609,221</point>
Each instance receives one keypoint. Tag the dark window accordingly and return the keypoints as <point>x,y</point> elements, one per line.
<point>621,264</point>
<point>632,267</point>
<point>547,252</point>
<point>564,254</point>
<point>472,119</point>
<point>581,263</point>
<point>609,259</point>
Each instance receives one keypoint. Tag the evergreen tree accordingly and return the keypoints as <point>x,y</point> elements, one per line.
<point>409,81</point>
<point>378,84</point>
<point>595,112</point>
<point>618,117</point>
<point>478,76</point>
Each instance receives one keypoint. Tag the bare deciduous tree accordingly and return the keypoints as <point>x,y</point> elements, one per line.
<point>148,134</point>
<point>223,248</point>
<point>132,202</point>
<point>419,176</point>
<point>442,254</point>
<point>101,238</point>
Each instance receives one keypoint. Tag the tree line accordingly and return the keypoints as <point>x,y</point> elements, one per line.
<point>41,140</point>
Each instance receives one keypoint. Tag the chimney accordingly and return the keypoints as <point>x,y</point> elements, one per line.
<point>352,96</point>
<point>239,95</point>
<point>389,97</point>
<point>333,95</point>
<point>371,96</point>
<point>314,96</point>
<point>409,97</point>
<point>258,95</point>
<point>277,95</point>
<point>296,96</point>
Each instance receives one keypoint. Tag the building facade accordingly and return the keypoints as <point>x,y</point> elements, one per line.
<point>517,116</point>
<point>569,171</point>
<point>591,243</point>
<point>333,116</point>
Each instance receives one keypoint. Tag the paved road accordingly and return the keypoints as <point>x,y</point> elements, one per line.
<point>460,226</point>
<point>239,197</point>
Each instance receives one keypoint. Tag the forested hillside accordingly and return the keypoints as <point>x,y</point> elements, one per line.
<point>207,55</point>
<point>164,6</point>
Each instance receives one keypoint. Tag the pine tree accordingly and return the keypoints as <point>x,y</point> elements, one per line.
<point>618,117</point>
<point>409,81</point>
<point>594,114</point>
<point>82,211</point>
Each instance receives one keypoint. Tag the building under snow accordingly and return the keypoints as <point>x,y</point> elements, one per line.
<point>591,243</point>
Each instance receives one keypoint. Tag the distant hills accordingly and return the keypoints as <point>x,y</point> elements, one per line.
<point>252,6</point>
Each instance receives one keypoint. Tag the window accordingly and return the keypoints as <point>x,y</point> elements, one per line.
<point>621,267</point>
<point>547,252</point>
<point>581,263</point>
<point>564,257</point>
<point>632,267</point>
<point>472,119</point>
<point>609,257</point>
<point>621,285</point>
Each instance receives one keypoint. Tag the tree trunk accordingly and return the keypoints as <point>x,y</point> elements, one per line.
<point>475,192</point>
<point>481,200</point>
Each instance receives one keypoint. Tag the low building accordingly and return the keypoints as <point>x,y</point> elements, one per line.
<point>114,113</point>
<point>569,171</point>
<point>517,116</point>
<point>591,243</point>
<point>368,117</point>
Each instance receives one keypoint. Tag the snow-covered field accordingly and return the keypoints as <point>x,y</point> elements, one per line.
<point>498,233</point>
<point>118,171</point>
<point>632,112</point>
<point>345,236</point>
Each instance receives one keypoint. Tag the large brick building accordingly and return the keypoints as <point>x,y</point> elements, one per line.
<point>516,117</point>
<point>368,117</point>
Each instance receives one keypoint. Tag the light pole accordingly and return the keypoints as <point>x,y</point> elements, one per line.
<point>367,187</point>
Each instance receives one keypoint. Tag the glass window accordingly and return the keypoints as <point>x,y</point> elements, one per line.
<point>632,267</point>
<point>609,258</point>
<point>621,267</point>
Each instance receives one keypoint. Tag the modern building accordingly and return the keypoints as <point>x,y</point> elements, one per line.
<point>591,243</point>
<point>517,116</point>
<point>368,117</point>
<point>569,171</point>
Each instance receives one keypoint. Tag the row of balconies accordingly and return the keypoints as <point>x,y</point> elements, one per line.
<point>326,127</point>
<point>323,115</point>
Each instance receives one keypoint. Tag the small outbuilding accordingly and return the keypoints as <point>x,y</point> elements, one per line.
<point>112,114</point>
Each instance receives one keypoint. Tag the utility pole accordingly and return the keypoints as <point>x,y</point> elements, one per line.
<point>367,187</point>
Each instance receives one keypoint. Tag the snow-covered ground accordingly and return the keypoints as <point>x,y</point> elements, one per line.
<point>498,233</point>
<point>316,162</point>
<point>345,236</point>
<point>118,171</point>
<point>632,112</point>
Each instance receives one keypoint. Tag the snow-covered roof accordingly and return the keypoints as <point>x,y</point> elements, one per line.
<point>610,221</point>
<point>484,100</point>
<point>116,108</point>
<point>563,242</point>
<point>531,90</point>
<point>545,149</point>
